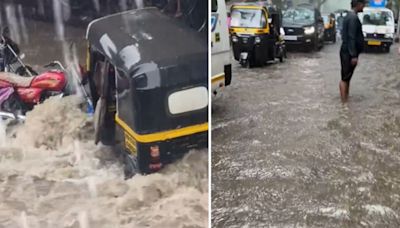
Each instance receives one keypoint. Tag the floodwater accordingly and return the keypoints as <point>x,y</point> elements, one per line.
<point>52,174</point>
<point>288,153</point>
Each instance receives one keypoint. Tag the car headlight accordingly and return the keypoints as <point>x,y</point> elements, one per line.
<point>282,31</point>
<point>309,30</point>
<point>235,39</point>
<point>257,40</point>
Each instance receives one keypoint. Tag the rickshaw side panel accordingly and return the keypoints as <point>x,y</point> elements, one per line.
<point>152,63</point>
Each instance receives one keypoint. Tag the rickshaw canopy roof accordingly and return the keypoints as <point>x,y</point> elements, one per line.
<point>271,9</point>
<point>135,37</point>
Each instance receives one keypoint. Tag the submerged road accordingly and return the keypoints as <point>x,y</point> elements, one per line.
<point>288,153</point>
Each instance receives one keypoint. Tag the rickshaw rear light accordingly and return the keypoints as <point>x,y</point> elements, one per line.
<point>155,160</point>
<point>155,151</point>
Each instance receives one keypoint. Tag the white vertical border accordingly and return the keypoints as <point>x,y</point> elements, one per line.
<point>209,113</point>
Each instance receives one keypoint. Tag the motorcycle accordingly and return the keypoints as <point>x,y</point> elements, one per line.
<point>21,88</point>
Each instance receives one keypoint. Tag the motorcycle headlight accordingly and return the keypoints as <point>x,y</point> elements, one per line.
<point>257,40</point>
<point>309,30</point>
<point>235,39</point>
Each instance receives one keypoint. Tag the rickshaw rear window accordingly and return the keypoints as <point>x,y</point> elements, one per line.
<point>248,18</point>
<point>188,100</point>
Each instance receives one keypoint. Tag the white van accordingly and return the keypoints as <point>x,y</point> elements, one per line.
<point>378,27</point>
<point>221,68</point>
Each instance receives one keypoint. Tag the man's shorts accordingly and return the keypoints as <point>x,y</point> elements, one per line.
<point>347,67</point>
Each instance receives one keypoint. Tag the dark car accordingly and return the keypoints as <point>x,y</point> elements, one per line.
<point>304,26</point>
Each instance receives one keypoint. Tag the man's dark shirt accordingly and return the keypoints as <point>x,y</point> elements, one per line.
<point>352,35</point>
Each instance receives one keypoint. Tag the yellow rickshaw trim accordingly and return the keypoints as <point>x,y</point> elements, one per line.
<point>247,7</point>
<point>217,77</point>
<point>88,57</point>
<point>164,135</point>
<point>250,30</point>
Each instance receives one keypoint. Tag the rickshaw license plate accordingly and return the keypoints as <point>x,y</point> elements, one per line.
<point>374,42</point>
<point>290,37</point>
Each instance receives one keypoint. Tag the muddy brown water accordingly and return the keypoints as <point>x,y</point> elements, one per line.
<point>52,174</point>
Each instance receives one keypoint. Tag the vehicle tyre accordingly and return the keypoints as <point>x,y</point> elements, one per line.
<point>387,49</point>
<point>245,63</point>
<point>313,46</point>
<point>334,38</point>
<point>131,167</point>
<point>14,105</point>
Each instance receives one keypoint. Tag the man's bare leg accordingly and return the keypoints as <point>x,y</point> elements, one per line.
<point>344,90</point>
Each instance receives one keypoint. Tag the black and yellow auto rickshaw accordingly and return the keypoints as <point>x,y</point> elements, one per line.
<point>330,28</point>
<point>148,77</point>
<point>256,33</point>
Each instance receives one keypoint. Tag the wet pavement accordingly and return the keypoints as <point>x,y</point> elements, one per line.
<point>288,153</point>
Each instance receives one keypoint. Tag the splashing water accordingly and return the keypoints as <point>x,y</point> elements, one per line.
<point>96,5</point>
<point>123,5</point>
<point>53,171</point>
<point>24,30</point>
<point>24,220</point>
<point>139,4</point>
<point>41,7</point>
<point>13,23</point>
<point>58,19</point>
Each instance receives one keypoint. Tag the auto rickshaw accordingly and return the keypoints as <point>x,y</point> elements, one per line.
<point>148,79</point>
<point>256,33</point>
<point>330,28</point>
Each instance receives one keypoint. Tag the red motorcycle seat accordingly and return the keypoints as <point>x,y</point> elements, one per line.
<point>16,80</point>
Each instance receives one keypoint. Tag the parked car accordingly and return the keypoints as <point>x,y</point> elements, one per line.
<point>304,26</point>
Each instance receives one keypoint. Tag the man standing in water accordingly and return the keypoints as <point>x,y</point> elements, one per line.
<point>352,46</point>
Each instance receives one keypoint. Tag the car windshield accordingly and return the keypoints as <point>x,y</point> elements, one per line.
<point>377,18</point>
<point>248,18</point>
<point>298,16</point>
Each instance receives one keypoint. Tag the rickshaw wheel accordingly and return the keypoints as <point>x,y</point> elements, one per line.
<point>246,64</point>
<point>130,165</point>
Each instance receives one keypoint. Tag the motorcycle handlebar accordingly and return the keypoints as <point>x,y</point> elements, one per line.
<point>56,63</point>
